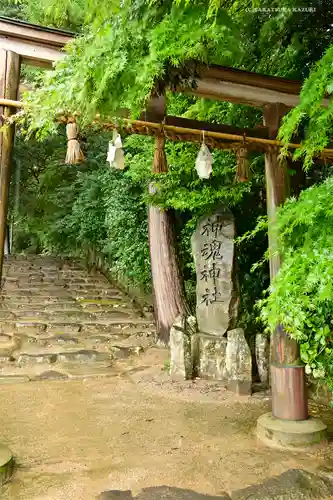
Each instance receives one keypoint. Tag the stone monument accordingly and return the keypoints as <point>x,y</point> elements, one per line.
<point>223,351</point>
<point>217,290</point>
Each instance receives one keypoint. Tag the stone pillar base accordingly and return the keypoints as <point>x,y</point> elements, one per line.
<point>227,359</point>
<point>288,434</point>
<point>6,464</point>
<point>211,357</point>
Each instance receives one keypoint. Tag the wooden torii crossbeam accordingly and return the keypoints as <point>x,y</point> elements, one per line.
<point>42,46</point>
<point>36,45</point>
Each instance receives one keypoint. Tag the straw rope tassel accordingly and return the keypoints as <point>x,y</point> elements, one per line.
<point>160,162</point>
<point>74,153</point>
<point>243,172</point>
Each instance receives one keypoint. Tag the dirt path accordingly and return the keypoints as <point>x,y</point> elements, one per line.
<point>74,439</point>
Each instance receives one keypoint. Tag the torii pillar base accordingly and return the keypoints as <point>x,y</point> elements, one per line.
<point>296,435</point>
<point>289,424</point>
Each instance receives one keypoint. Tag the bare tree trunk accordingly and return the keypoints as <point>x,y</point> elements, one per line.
<point>169,297</point>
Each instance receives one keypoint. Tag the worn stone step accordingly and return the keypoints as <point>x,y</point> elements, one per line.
<point>40,299</point>
<point>101,342</point>
<point>123,325</point>
<point>6,340</point>
<point>6,359</point>
<point>12,283</point>
<point>99,302</point>
<point>33,268</point>
<point>31,359</point>
<point>12,274</point>
<point>84,356</point>
<point>27,269</point>
<point>79,317</point>
<point>11,327</point>
<point>56,328</point>
<point>118,312</point>
<point>56,286</point>
<point>36,307</point>
<point>40,327</point>
<point>104,339</point>
<point>79,278</point>
<point>7,314</point>
<point>107,306</point>
<point>66,340</point>
<point>13,379</point>
<point>31,292</point>
<point>81,356</point>
<point>78,272</point>
<point>59,321</point>
<point>60,316</point>
<point>92,294</point>
<point>60,372</point>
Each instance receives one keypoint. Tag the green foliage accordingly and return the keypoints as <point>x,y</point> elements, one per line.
<point>10,8</point>
<point>117,61</point>
<point>301,297</point>
<point>311,112</point>
<point>68,210</point>
<point>66,14</point>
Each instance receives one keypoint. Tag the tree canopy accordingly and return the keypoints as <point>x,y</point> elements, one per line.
<point>122,53</point>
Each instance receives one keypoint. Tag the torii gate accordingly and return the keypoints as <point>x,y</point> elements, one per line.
<point>40,46</point>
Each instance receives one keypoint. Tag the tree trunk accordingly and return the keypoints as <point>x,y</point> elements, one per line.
<point>169,297</point>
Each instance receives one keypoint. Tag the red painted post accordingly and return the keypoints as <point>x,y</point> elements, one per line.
<point>289,398</point>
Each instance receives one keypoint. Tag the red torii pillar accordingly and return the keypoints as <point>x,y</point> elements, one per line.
<point>289,424</point>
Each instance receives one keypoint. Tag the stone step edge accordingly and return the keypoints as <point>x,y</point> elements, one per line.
<point>56,375</point>
<point>121,321</point>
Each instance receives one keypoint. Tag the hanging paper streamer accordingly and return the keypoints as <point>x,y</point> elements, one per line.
<point>116,156</point>
<point>204,161</point>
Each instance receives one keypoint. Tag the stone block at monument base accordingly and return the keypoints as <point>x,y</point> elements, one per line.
<point>227,359</point>
<point>212,355</point>
<point>183,348</point>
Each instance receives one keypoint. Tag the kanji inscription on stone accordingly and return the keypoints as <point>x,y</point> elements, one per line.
<point>212,272</point>
<point>213,250</point>
<point>210,296</point>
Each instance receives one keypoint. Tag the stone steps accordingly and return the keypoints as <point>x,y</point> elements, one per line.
<point>37,326</point>
<point>59,321</point>
<point>47,315</point>
<point>64,302</point>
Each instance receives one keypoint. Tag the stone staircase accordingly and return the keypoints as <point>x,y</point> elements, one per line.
<point>58,321</point>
